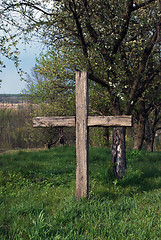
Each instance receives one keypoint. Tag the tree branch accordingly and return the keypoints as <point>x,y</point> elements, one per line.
<point>130,9</point>
<point>159,128</point>
<point>147,52</point>
<point>137,6</point>
<point>145,56</point>
<point>99,81</point>
<point>29,4</point>
<point>80,32</point>
<point>96,37</point>
<point>124,26</point>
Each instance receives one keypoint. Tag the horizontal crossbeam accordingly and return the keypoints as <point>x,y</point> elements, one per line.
<point>104,121</point>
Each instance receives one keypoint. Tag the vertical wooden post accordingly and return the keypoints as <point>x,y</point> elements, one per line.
<point>81,135</point>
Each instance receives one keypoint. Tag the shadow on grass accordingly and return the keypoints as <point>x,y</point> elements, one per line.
<point>57,167</point>
<point>148,180</point>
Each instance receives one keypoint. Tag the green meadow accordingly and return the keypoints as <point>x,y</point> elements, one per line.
<point>37,196</point>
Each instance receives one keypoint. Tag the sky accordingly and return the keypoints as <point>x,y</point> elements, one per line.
<point>11,82</point>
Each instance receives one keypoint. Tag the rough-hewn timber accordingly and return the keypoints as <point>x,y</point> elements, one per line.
<point>104,121</point>
<point>81,135</point>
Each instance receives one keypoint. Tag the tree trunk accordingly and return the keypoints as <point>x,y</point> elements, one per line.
<point>139,137</point>
<point>119,152</point>
<point>150,138</point>
<point>61,136</point>
<point>151,129</point>
<point>150,144</point>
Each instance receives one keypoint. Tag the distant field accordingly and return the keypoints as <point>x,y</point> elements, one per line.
<point>13,105</point>
<point>37,197</point>
<point>12,101</point>
<point>12,98</point>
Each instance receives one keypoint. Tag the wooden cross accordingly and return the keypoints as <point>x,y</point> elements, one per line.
<point>82,122</point>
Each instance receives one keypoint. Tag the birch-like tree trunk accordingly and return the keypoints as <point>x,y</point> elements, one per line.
<point>119,152</point>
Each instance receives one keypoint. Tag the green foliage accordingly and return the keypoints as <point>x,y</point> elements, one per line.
<point>135,155</point>
<point>15,131</point>
<point>99,137</point>
<point>118,44</point>
<point>52,85</point>
<point>12,128</point>
<point>52,88</point>
<point>37,197</point>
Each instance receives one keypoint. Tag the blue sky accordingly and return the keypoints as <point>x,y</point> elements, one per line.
<point>11,82</point>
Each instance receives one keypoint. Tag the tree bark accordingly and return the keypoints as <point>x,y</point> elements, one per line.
<point>151,130</point>
<point>150,143</point>
<point>119,152</point>
<point>139,137</point>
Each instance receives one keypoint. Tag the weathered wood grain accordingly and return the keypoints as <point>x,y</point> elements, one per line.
<point>110,121</point>
<point>54,121</point>
<point>104,121</point>
<point>81,135</point>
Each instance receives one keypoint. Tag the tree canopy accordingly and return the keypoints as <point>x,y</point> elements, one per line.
<point>118,44</point>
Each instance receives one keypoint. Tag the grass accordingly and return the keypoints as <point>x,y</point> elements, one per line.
<point>37,197</point>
